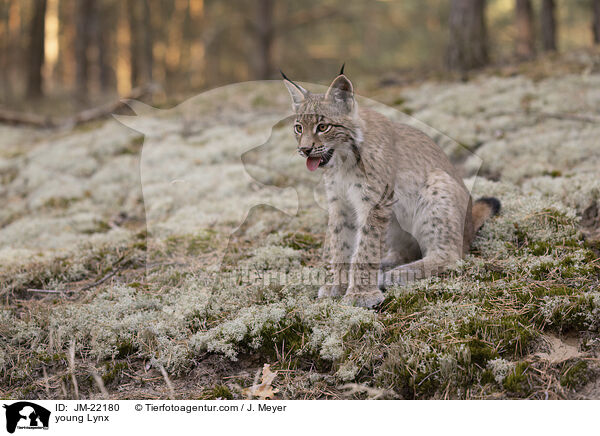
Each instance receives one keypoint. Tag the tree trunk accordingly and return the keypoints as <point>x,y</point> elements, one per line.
<point>148,42</point>
<point>263,65</point>
<point>134,46</point>
<point>4,52</point>
<point>596,21</point>
<point>36,50</point>
<point>524,48</point>
<point>84,33</point>
<point>103,42</point>
<point>548,25</point>
<point>468,35</point>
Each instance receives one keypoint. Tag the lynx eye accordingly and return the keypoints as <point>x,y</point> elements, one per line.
<point>322,128</point>
<point>298,129</point>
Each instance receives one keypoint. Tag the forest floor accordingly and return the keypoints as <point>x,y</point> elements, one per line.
<point>133,262</point>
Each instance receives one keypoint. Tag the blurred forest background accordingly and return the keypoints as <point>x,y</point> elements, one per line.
<point>65,55</point>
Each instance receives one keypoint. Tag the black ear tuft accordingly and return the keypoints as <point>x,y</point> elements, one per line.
<point>297,92</point>
<point>342,70</point>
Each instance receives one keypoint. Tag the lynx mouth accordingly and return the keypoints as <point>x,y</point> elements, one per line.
<point>313,162</point>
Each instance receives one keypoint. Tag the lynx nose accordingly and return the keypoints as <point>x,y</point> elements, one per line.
<point>306,150</point>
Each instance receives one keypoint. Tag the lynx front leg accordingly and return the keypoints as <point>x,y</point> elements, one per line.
<point>341,235</point>
<point>363,287</point>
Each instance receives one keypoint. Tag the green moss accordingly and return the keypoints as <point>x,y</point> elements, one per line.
<point>412,378</point>
<point>134,146</point>
<point>125,349</point>
<point>553,173</point>
<point>516,381</point>
<point>481,352</point>
<point>201,243</point>
<point>408,303</point>
<point>574,314</point>
<point>140,245</point>
<point>138,285</point>
<point>193,244</point>
<point>51,358</point>
<point>542,272</point>
<point>196,320</point>
<point>529,297</point>
<point>113,370</point>
<point>100,226</point>
<point>540,248</point>
<point>521,237</point>
<point>491,273</point>
<point>399,101</point>
<point>516,334</point>
<point>290,334</point>
<point>59,202</point>
<point>173,277</point>
<point>218,392</point>
<point>487,377</point>
<point>510,335</point>
<point>575,374</point>
<point>425,384</point>
<point>301,241</point>
<point>89,126</point>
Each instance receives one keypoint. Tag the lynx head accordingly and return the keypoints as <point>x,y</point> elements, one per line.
<point>326,125</point>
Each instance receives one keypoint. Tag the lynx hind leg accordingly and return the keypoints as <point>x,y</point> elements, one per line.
<point>439,230</point>
<point>432,264</point>
<point>441,241</point>
<point>400,246</point>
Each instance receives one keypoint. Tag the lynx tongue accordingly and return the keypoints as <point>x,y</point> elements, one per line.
<point>312,163</point>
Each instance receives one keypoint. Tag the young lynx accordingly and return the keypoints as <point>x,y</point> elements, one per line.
<point>389,187</point>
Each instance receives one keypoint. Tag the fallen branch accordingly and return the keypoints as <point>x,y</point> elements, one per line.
<point>83,288</point>
<point>46,291</point>
<point>19,118</point>
<point>41,121</point>
<point>98,282</point>
<point>115,270</point>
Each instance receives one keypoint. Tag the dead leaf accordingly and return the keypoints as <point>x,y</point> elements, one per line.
<point>264,390</point>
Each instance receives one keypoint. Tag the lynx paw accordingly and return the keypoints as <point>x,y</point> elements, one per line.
<point>363,297</point>
<point>331,291</point>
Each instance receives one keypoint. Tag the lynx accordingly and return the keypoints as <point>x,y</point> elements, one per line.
<point>390,190</point>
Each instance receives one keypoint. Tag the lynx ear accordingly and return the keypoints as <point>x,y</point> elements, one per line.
<point>341,92</point>
<point>297,92</point>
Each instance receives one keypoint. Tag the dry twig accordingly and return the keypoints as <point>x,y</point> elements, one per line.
<point>41,121</point>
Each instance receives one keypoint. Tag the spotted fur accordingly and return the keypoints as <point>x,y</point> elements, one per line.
<point>398,210</point>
